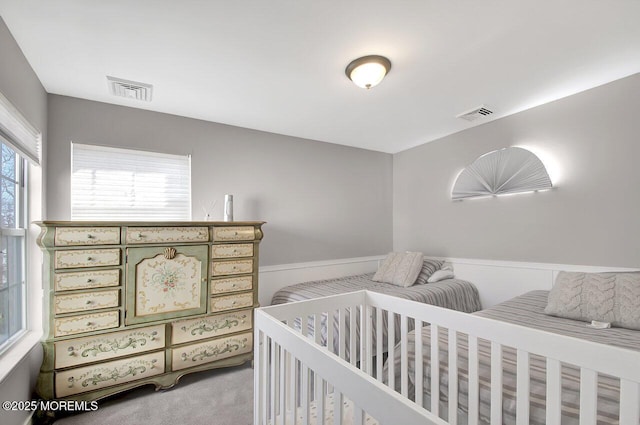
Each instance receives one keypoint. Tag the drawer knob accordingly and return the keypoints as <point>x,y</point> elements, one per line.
<point>140,236</point>
<point>72,351</point>
<point>235,233</point>
<point>233,285</point>
<point>153,336</point>
<point>89,236</point>
<point>184,357</point>
<point>89,302</point>
<point>89,280</point>
<point>89,324</point>
<point>234,302</point>
<point>153,364</point>
<point>89,258</point>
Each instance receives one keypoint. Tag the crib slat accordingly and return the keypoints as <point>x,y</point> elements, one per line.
<point>453,377</point>
<point>337,408</point>
<point>358,415</point>
<point>419,377</point>
<point>330,329</point>
<point>259,380</point>
<point>342,334</point>
<point>435,370</point>
<point>317,334</point>
<point>368,351</point>
<point>281,384</point>
<point>391,337</point>
<point>588,396</point>
<point>295,390</point>
<point>522,388</point>
<point>379,343</point>
<point>353,348</point>
<point>304,325</point>
<point>272,382</point>
<point>305,399</point>
<point>404,374</point>
<point>474,389</point>
<point>629,402</point>
<point>319,399</point>
<point>554,391</point>
<point>496,383</point>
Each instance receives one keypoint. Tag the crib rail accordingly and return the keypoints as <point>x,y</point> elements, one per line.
<point>314,355</point>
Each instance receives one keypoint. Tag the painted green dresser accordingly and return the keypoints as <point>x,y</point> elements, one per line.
<point>131,303</point>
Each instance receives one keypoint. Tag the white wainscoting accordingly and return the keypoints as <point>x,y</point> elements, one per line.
<point>273,278</point>
<point>497,281</point>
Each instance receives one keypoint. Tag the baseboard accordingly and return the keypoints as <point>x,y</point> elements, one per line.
<point>273,278</point>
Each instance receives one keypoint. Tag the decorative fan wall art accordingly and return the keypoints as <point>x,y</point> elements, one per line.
<point>509,170</point>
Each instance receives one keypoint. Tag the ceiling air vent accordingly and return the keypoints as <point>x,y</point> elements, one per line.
<point>478,112</point>
<point>130,89</point>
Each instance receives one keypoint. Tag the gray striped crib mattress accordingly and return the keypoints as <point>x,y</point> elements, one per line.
<point>525,310</point>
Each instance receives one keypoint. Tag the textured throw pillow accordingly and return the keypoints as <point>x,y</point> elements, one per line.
<point>429,266</point>
<point>400,268</point>
<point>439,275</point>
<point>605,297</point>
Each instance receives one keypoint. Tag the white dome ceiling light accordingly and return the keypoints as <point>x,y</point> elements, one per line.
<point>368,71</point>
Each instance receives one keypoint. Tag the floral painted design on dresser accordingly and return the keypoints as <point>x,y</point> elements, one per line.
<point>169,279</point>
<point>167,285</point>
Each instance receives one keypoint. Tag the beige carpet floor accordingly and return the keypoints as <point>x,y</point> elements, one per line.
<point>216,397</point>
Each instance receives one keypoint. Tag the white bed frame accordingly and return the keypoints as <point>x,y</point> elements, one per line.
<point>295,373</point>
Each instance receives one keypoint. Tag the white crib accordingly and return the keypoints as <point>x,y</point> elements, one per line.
<point>303,376</point>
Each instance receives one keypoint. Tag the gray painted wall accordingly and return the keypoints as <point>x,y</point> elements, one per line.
<point>21,86</point>
<point>321,201</point>
<point>590,218</point>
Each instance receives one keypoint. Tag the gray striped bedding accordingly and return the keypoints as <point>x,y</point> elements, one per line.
<point>450,293</point>
<point>526,310</point>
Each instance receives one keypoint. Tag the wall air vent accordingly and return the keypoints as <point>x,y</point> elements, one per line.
<point>130,89</point>
<point>478,112</point>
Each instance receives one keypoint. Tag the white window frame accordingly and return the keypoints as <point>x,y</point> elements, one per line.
<point>17,133</point>
<point>150,187</point>
<point>20,231</point>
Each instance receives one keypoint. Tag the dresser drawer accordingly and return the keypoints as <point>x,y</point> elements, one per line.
<point>86,280</point>
<point>143,235</point>
<point>234,284</point>
<point>231,302</point>
<point>236,233</point>
<point>87,258</point>
<point>212,326</point>
<point>70,236</point>
<point>95,300</point>
<point>232,250</point>
<point>223,268</point>
<point>91,378</point>
<point>210,351</point>
<point>74,352</point>
<point>86,323</point>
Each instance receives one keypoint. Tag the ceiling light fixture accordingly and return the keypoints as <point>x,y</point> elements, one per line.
<point>368,71</point>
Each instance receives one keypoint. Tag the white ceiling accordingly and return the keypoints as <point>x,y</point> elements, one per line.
<point>278,65</point>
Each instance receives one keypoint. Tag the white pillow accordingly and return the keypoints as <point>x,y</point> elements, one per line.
<point>440,275</point>
<point>400,268</point>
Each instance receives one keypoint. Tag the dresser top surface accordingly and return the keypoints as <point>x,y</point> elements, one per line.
<point>147,223</point>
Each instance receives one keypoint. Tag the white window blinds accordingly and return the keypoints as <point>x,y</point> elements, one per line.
<point>18,133</point>
<point>123,184</point>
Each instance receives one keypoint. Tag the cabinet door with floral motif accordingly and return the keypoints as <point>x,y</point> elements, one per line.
<point>166,282</point>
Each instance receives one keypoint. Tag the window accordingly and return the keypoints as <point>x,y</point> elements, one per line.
<point>123,184</point>
<point>19,143</point>
<point>12,255</point>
